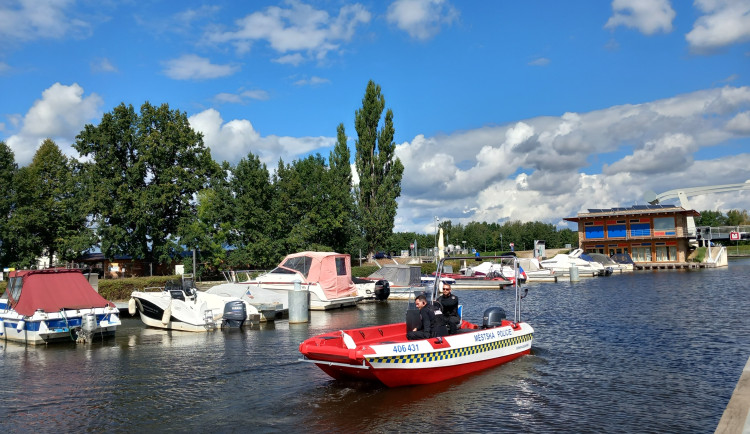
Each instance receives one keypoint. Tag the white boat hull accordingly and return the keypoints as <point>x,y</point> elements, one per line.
<point>42,328</point>
<point>199,313</point>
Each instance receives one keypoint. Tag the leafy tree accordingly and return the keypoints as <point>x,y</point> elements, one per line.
<point>253,193</point>
<point>49,216</point>
<point>379,171</point>
<point>711,218</point>
<point>736,217</point>
<point>307,207</point>
<point>143,172</point>
<point>210,231</point>
<point>8,170</point>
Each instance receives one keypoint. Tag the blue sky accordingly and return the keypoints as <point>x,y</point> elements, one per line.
<point>503,110</point>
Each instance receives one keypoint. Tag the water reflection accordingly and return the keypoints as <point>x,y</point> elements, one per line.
<point>654,352</point>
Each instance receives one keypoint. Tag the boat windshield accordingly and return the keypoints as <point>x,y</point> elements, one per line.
<point>14,288</point>
<point>300,263</point>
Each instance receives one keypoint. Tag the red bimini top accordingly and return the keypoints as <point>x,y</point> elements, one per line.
<point>51,290</point>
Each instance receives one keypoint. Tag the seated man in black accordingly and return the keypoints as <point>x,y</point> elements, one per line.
<point>427,323</point>
<point>449,302</point>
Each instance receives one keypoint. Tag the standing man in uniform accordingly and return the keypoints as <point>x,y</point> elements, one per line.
<point>449,303</point>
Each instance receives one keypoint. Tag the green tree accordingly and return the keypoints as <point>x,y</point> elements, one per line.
<point>737,217</point>
<point>49,216</point>
<point>711,218</point>
<point>341,199</point>
<point>210,231</point>
<point>379,171</point>
<point>253,193</point>
<point>143,172</point>
<point>8,170</point>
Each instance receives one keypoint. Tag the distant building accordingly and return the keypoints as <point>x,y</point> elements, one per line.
<point>649,233</point>
<point>124,266</point>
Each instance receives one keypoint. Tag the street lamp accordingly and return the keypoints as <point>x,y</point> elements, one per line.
<point>464,251</point>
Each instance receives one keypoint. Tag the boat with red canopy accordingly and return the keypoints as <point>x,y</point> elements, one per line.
<point>41,306</point>
<point>383,353</point>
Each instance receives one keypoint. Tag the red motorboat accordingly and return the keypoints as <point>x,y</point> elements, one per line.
<point>382,353</point>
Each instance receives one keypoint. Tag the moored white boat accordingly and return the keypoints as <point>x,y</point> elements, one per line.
<point>403,280</point>
<point>182,307</point>
<point>384,354</point>
<point>270,305</point>
<point>607,262</point>
<point>325,275</point>
<point>562,262</point>
<point>535,272</point>
<point>42,306</point>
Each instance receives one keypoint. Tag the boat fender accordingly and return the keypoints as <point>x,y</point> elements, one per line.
<point>21,325</point>
<point>167,314</point>
<point>348,340</point>
<point>131,306</point>
<point>2,328</point>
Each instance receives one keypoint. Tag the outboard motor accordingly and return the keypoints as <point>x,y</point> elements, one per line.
<point>382,290</point>
<point>493,317</point>
<point>88,325</point>
<point>235,314</point>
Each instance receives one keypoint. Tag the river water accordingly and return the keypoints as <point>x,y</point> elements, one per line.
<point>653,351</point>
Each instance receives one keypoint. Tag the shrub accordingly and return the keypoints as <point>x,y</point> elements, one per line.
<point>120,289</point>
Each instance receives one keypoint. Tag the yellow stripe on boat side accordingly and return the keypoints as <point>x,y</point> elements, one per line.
<point>450,354</point>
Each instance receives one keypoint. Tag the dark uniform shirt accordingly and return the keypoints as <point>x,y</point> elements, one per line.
<point>449,304</point>
<point>427,325</point>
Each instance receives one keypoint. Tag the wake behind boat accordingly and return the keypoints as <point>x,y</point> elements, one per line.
<point>384,354</point>
<point>41,306</point>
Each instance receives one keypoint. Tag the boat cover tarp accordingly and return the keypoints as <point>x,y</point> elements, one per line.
<point>399,275</point>
<point>52,290</point>
<point>332,270</point>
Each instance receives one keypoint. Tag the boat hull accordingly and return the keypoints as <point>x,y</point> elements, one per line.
<point>384,354</point>
<point>199,314</point>
<point>54,328</point>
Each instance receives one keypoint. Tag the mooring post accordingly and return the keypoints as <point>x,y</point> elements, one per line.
<point>298,304</point>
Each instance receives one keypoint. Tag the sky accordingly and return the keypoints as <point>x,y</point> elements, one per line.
<point>503,110</point>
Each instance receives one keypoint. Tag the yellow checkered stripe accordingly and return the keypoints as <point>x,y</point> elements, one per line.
<point>452,353</point>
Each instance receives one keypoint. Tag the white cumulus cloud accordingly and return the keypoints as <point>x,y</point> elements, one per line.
<point>233,140</point>
<point>647,16</point>
<point>421,19</point>
<point>193,67</point>
<point>725,22</point>
<point>299,31</point>
<point>545,168</point>
<point>60,115</point>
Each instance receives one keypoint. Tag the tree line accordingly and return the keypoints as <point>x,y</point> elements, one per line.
<point>734,217</point>
<point>145,186</point>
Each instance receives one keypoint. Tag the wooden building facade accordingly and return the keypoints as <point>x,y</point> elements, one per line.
<point>649,233</point>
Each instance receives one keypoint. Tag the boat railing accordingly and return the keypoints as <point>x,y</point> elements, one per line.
<point>504,259</point>
<point>240,276</point>
<point>153,289</point>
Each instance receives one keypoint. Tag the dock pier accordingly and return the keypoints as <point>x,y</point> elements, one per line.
<point>673,265</point>
<point>736,417</point>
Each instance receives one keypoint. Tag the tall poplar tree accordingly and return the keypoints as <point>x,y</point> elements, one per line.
<point>379,171</point>
<point>341,199</point>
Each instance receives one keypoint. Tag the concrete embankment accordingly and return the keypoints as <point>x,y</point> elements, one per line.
<point>736,417</point>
